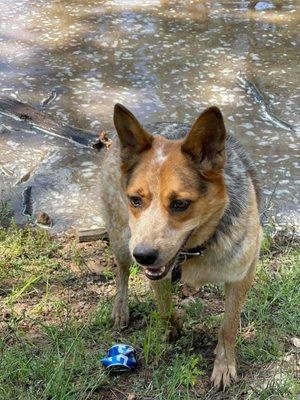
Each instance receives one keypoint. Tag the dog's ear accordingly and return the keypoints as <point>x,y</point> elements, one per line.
<point>131,134</point>
<point>205,142</point>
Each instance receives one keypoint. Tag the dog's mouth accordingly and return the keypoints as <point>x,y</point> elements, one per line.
<point>156,273</point>
<point>160,272</point>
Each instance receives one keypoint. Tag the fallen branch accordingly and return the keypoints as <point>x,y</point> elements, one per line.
<point>89,235</point>
<point>256,94</point>
<point>47,124</point>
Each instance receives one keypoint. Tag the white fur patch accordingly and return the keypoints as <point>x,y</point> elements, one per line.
<point>160,155</point>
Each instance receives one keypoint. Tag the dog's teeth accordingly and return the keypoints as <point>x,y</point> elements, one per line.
<point>153,272</point>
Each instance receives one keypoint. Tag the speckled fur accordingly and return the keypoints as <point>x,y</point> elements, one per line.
<point>231,254</point>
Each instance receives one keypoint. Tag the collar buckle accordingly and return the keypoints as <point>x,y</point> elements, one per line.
<point>191,254</point>
<point>195,251</point>
<point>182,257</point>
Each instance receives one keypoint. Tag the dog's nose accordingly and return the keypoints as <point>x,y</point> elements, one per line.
<point>145,254</point>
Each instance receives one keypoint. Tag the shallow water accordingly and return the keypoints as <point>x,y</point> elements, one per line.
<point>166,61</point>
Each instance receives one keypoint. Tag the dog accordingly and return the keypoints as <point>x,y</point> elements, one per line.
<point>180,199</point>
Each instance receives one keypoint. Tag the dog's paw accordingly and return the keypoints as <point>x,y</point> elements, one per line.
<point>173,328</point>
<point>223,372</point>
<point>173,333</point>
<point>120,313</point>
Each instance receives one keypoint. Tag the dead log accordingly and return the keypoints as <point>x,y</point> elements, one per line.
<point>89,235</point>
<point>47,124</point>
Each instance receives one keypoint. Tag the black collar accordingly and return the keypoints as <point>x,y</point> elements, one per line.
<point>182,257</point>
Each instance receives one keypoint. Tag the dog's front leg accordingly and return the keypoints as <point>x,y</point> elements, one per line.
<point>225,364</point>
<point>120,312</point>
<point>163,295</point>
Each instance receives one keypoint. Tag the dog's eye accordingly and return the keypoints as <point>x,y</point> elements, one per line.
<point>179,205</point>
<point>135,201</point>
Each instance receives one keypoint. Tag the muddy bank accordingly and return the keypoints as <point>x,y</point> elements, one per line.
<point>40,172</point>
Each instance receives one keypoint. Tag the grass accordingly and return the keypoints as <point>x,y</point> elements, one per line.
<point>55,326</point>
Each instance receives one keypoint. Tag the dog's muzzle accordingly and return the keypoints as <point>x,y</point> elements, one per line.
<point>175,264</point>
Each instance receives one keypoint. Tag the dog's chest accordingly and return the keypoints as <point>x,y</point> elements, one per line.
<point>206,269</point>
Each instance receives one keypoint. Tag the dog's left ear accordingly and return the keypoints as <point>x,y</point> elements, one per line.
<point>132,135</point>
<point>205,142</point>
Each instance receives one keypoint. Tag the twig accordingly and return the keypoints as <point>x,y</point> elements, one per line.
<point>49,99</point>
<point>264,212</point>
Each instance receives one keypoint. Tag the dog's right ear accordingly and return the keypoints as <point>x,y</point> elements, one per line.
<point>205,142</point>
<point>132,135</point>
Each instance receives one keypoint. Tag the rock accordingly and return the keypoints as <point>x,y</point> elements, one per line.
<point>95,266</point>
<point>264,5</point>
<point>3,129</point>
<point>295,341</point>
<point>6,314</point>
<point>43,219</point>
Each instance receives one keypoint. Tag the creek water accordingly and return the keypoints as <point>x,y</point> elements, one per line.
<point>164,60</point>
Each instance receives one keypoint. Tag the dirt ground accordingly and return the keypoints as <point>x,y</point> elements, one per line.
<point>56,299</point>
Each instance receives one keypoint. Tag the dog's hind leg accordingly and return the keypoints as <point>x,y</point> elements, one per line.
<point>120,312</point>
<point>163,295</point>
<point>225,365</point>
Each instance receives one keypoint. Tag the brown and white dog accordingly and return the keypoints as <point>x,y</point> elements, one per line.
<point>179,191</point>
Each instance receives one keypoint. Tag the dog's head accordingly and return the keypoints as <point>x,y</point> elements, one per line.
<point>173,187</point>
